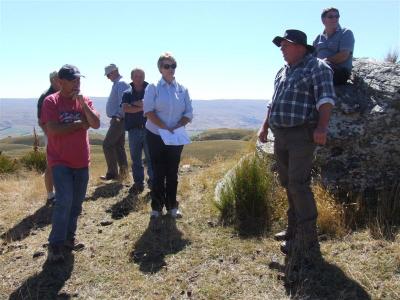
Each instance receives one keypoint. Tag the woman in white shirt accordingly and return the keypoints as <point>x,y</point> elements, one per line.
<point>167,105</point>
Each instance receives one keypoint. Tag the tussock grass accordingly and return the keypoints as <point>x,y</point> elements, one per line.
<point>330,214</point>
<point>385,219</point>
<point>245,200</point>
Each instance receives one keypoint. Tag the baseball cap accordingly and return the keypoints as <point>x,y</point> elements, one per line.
<point>69,72</point>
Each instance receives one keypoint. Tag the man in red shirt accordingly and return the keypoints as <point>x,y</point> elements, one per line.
<point>67,115</point>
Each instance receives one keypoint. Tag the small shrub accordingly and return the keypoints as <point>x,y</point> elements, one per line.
<point>8,165</point>
<point>35,160</point>
<point>245,201</point>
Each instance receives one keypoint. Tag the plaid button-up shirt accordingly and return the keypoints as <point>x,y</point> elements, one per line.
<point>299,92</point>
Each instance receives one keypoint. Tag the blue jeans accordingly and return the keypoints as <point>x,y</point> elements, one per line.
<point>137,143</point>
<point>70,185</point>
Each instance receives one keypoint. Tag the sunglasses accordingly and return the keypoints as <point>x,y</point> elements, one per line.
<point>333,16</point>
<point>167,66</point>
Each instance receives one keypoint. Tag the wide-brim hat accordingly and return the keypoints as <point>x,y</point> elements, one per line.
<point>294,36</point>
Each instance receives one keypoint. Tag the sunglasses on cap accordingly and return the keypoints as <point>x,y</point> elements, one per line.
<point>167,66</point>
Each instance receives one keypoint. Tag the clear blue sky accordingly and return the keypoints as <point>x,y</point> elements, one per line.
<point>223,48</point>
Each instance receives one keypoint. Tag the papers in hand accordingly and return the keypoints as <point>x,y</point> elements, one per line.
<point>178,137</point>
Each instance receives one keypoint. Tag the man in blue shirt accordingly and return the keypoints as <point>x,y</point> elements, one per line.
<point>114,142</point>
<point>335,45</point>
<point>132,105</point>
<point>298,116</point>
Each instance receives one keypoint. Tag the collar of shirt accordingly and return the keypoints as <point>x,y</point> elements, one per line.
<point>117,79</point>
<point>163,82</point>
<point>338,28</point>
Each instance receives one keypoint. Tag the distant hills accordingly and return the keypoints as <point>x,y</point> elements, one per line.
<point>18,116</point>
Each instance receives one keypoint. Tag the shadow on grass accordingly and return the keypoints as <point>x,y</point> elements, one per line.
<point>127,205</point>
<point>108,190</point>
<point>321,281</point>
<point>161,238</point>
<point>48,283</point>
<point>39,219</point>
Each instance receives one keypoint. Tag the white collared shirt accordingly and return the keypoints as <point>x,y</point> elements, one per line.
<point>170,102</point>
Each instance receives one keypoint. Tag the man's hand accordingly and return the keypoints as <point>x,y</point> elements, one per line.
<point>320,135</point>
<point>84,122</point>
<point>80,99</point>
<point>262,135</point>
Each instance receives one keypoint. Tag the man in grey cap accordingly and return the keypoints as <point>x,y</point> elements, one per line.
<point>114,142</point>
<point>54,87</point>
<point>298,116</point>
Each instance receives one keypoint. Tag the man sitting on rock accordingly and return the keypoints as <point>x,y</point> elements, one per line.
<point>335,45</point>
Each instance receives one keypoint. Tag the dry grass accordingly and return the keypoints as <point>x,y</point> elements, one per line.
<point>330,214</point>
<point>193,258</point>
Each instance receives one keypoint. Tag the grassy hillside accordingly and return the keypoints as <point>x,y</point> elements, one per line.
<point>225,134</point>
<point>192,258</point>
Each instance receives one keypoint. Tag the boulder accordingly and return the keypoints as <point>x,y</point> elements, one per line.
<point>363,148</point>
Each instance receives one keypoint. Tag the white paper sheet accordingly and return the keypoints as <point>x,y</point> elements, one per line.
<point>178,137</point>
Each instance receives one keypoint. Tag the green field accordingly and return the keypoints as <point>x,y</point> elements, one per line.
<point>203,150</point>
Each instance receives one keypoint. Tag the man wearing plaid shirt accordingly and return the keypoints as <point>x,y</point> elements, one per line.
<point>298,116</point>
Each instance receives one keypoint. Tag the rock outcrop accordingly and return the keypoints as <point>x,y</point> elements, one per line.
<point>363,148</point>
<point>363,151</point>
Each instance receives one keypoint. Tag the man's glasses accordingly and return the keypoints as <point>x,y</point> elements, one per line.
<point>333,16</point>
<point>167,66</point>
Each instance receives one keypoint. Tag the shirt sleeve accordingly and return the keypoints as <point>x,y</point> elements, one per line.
<point>188,113</point>
<point>90,104</point>
<point>125,98</point>
<point>324,90</point>
<point>149,99</point>
<point>347,41</point>
<point>49,111</point>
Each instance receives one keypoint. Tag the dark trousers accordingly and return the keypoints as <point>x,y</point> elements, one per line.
<point>340,76</point>
<point>165,162</point>
<point>294,151</point>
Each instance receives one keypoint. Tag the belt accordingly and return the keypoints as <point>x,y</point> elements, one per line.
<point>116,117</point>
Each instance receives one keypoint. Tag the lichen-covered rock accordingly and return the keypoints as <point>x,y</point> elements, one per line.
<point>363,150</point>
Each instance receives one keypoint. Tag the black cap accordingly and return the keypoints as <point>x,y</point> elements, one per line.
<point>69,72</point>
<point>293,36</point>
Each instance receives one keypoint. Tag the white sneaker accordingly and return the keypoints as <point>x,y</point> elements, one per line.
<point>175,213</point>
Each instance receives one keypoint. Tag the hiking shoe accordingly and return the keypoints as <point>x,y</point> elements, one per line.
<point>281,236</point>
<point>154,214</point>
<point>108,177</point>
<point>136,189</point>
<point>175,213</point>
<point>55,254</point>
<point>285,247</point>
<point>74,245</point>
